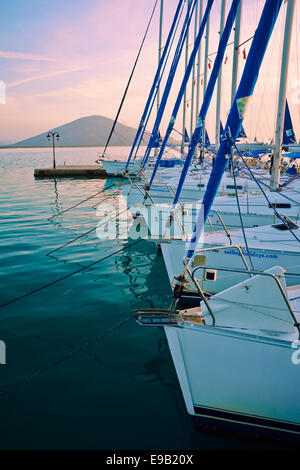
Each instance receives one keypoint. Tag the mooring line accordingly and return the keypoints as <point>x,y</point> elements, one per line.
<point>52,364</point>
<point>84,234</point>
<point>38,289</point>
<point>78,204</point>
<point>102,200</point>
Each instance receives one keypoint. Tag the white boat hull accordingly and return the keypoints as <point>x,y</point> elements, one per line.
<point>231,378</point>
<point>117,168</point>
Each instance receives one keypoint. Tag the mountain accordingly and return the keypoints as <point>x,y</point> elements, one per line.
<point>90,131</point>
<point>4,143</point>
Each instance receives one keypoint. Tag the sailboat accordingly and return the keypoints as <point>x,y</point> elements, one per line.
<point>236,355</point>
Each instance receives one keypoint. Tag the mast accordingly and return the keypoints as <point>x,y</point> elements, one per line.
<point>184,97</point>
<point>219,85</point>
<point>275,171</point>
<point>208,96</point>
<point>193,74</point>
<point>170,79</point>
<point>159,57</point>
<point>235,64</point>
<point>199,62</point>
<point>157,78</point>
<point>205,70</point>
<point>237,32</point>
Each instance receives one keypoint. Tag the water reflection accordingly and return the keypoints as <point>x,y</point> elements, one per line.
<point>148,280</point>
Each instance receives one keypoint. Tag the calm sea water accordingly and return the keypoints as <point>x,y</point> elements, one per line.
<point>118,389</point>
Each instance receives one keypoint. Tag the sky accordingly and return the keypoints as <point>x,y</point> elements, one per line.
<point>62,60</point>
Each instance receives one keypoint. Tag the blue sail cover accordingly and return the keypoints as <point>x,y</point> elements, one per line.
<point>256,153</point>
<point>292,155</point>
<point>288,131</point>
<point>156,79</point>
<point>208,94</point>
<point>183,86</point>
<point>190,9</point>
<point>157,141</point>
<point>237,112</point>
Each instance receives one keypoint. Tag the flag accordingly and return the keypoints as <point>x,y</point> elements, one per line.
<point>242,133</point>
<point>201,81</point>
<point>244,54</point>
<point>207,140</point>
<point>186,136</point>
<point>226,59</point>
<point>209,65</point>
<point>221,131</point>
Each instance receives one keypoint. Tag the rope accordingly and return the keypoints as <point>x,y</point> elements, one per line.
<point>230,44</point>
<point>52,364</point>
<point>78,204</point>
<point>129,80</point>
<point>84,234</point>
<point>38,289</point>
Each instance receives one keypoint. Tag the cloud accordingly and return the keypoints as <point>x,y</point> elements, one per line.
<point>45,75</point>
<point>25,56</point>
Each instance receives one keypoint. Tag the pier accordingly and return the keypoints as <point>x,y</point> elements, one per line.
<point>69,171</point>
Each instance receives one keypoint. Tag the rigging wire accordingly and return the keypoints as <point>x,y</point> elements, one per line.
<point>240,214</point>
<point>273,206</point>
<point>230,44</point>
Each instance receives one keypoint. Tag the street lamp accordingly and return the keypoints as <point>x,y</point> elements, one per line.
<point>53,134</point>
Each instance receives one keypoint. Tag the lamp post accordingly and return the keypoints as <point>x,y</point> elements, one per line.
<point>53,134</point>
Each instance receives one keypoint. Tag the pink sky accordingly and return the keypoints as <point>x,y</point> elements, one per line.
<point>60,67</point>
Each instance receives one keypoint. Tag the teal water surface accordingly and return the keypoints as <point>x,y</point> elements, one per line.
<point>80,373</point>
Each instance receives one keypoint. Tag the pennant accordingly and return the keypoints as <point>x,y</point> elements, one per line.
<point>221,131</point>
<point>194,82</point>
<point>186,136</point>
<point>226,59</point>
<point>209,65</point>
<point>288,134</point>
<point>201,81</point>
<point>242,133</point>
<point>244,54</point>
<point>207,140</point>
